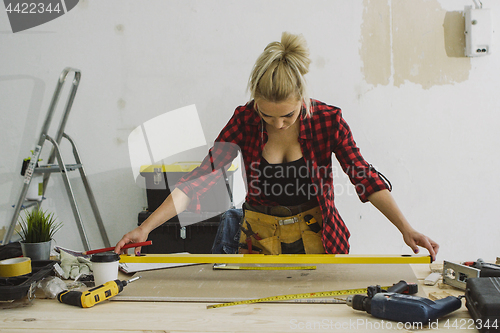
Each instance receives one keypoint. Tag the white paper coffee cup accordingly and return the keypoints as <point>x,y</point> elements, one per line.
<point>105,267</point>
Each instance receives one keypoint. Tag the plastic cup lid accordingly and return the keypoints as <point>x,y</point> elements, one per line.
<point>105,257</point>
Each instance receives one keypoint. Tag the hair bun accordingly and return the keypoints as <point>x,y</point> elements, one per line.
<point>294,50</point>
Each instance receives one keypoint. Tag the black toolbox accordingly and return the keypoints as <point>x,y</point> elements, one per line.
<point>197,232</point>
<point>483,302</point>
<point>161,179</point>
<point>171,237</point>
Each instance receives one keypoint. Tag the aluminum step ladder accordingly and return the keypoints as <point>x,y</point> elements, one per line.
<point>60,167</point>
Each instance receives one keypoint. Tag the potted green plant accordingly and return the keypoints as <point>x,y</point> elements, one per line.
<point>37,230</point>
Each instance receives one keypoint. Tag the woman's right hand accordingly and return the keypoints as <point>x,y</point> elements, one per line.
<point>177,201</point>
<point>135,236</point>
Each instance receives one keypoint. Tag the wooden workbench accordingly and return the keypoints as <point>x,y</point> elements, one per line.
<point>48,315</point>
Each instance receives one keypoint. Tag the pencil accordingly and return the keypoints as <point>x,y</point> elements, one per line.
<point>127,246</point>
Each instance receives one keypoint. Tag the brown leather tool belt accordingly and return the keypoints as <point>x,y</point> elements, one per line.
<point>283,210</point>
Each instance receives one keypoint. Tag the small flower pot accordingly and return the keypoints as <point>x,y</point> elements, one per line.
<point>36,251</point>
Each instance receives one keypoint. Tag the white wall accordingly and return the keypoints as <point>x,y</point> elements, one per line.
<point>431,129</point>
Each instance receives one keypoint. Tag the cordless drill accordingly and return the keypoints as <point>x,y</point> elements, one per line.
<point>95,295</point>
<point>396,306</point>
<point>363,302</point>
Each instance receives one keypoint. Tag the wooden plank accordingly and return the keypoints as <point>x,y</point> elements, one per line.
<point>200,283</point>
<point>48,315</point>
<point>276,259</point>
<point>127,317</point>
<point>135,317</point>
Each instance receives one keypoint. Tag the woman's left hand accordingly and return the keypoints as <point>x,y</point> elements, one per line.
<point>414,239</point>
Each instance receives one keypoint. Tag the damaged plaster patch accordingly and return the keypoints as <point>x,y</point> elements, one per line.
<point>419,40</point>
<point>376,42</point>
<point>454,40</point>
<point>424,41</point>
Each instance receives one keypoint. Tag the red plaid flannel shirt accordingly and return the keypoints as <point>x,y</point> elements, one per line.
<point>322,134</point>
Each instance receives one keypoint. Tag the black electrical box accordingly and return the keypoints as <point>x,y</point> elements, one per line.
<point>483,302</point>
<point>171,237</point>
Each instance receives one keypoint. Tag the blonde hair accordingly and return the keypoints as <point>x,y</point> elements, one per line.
<point>278,73</point>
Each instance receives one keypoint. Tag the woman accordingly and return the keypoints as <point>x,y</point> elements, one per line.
<point>286,140</point>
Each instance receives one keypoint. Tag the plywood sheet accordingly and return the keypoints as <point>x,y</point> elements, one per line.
<point>200,283</point>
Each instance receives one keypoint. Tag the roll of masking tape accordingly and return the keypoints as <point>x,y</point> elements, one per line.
<point>15,267</point>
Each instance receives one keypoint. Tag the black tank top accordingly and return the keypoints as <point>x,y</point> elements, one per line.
<point>288,183</point>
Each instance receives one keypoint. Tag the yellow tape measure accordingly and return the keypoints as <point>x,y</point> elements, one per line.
<point>259,268</point>
<point>295,296</point>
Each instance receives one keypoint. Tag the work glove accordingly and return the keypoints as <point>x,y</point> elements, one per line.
<point>74,266</point>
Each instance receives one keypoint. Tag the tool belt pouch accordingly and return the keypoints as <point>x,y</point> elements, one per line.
<point>274,230</point>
